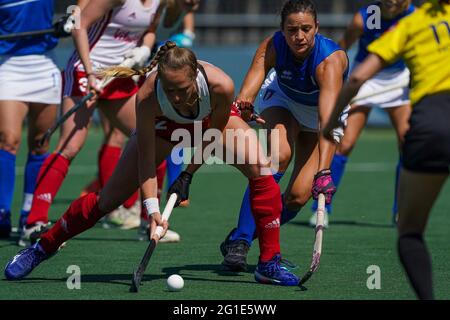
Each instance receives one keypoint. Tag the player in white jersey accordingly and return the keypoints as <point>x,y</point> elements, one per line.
<point>175,15</point>
<point>109,29</point>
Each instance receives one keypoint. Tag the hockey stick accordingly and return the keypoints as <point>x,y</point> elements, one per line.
<point>138,274</point>
<point>320,214</point>
<point>26,34</point>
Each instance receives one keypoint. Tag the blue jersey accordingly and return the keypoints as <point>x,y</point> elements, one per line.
<point>26,15</point>
<point>369,35</point>
<point>298,80</point>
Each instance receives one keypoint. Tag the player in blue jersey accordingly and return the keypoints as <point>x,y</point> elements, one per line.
<point>366,28</point>
<point>30,85</point>
<point>295,100</point>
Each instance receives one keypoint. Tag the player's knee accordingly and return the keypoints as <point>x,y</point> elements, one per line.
<point>9,141</point>
<point>345,148</point>
<point>284,160</point>
<point>254,171</point>
<point>70,151</point>
<point>37,149</point>
<point>295,201</point>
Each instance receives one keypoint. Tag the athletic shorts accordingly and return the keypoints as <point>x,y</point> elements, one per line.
<point>165,127</point>
<point>427,142</point>
<point>307,117</point>
<point>75,85</point>
<point>380,82</point>
<point>30,78</point>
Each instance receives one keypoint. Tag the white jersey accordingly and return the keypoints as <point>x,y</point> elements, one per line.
<point>116,33</point>
<point>204,105</point>
<point>163,33</point>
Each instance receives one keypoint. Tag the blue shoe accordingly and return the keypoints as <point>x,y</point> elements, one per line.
<point>272,272</point>
<point>5,223</point>
<point>25,261</point>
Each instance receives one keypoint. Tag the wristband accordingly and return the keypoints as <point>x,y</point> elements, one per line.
<point>151,205</point>
<point>322,172</point>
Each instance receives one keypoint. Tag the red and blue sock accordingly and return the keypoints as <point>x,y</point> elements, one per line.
<point>32,167</point>
<point>173,170</point>
<point>51,175</point>
<point>397,176</point>
<point>246,229</point>
<point>265,202</point>
<point>7,179</point>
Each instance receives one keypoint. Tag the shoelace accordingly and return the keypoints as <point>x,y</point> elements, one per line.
<point>35,257</point>
<point>239,248</point>
<point>273,266</point>
<point>288,264</point>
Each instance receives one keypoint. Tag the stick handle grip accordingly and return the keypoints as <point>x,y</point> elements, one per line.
<point>167,212</point>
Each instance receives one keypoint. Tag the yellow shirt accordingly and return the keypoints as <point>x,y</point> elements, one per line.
<point>422,40</point>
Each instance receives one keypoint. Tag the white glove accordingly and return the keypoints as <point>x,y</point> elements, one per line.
<point>139,56</point>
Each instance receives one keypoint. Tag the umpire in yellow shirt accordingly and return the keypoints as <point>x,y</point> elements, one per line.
<point>422,40</point>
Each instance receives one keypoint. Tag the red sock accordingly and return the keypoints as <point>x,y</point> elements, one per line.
<point>265,200</point>
<point>131,200</point>
<point>51,175</point>
<point>160,173</point>
<point>108,157</point>
<point>82,214</point>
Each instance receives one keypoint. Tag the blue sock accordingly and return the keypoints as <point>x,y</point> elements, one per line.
<point>173,170</point>
<point>397,176</point>
<point>246,225</point>
<point>7,179</point>
<point>32,168</point>
<point>337,171</point>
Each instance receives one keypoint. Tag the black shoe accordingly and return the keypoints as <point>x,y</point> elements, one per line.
<point>236,255</point>
<point>223,245</point>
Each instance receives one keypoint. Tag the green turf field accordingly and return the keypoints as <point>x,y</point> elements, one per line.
<point>360,235</point>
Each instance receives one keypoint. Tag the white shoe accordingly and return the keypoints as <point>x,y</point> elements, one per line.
<point>313,219</point>
<point>113,219</point>
<point>170,236</point>
<point>131,217</point>
<point>25,234</point>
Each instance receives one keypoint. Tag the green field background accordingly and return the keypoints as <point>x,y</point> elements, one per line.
<point>360,235</point>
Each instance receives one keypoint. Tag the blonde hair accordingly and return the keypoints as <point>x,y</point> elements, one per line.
<point>169,56</point>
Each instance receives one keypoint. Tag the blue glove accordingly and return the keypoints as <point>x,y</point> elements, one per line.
<point>183,40</point>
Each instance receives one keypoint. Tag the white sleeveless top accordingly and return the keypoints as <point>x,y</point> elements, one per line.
<point>204,105</point>
<point>163,33</point>
<point>118,32</point>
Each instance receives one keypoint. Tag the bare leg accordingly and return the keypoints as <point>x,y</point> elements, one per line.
<point>357,120</point>
<point>54,169</point>
<point>399,118</point>
<point>298,191</point>
<point>12,114</point>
